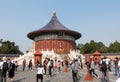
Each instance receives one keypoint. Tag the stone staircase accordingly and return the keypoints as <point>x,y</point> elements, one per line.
<point>30,55</point>
<point>27,56</point>
<point>74,55</point>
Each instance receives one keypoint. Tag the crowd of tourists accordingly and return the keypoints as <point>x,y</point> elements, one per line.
<point>48,68</point>
<point>30,65</point>
<point>104,65</point>
<point>98,69</point>
<point>7,69</point>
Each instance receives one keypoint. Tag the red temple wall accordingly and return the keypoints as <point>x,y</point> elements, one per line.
<point>59,46</point>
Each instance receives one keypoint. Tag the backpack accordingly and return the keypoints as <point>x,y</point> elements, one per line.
<point>5,66</point>
<point>74,68</point>
<point>104,66</point>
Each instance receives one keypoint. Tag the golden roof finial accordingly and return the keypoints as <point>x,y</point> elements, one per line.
<point>54,13</point>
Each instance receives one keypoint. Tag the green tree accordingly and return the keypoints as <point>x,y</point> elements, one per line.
<point>80,47</point>
<point>91,47</point>
<point>114,47</point>
<point>8,47</point>
<point>87,48</point>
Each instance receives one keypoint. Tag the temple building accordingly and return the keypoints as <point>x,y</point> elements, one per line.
<point>54,36</point>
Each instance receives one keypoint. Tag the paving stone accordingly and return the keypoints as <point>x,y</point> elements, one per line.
<point>30,76</point>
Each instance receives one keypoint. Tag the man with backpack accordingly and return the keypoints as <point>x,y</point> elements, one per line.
<point>4,70</point>
<point>104,70</point>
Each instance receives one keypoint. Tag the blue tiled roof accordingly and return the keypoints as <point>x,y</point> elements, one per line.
<point>53,26</point>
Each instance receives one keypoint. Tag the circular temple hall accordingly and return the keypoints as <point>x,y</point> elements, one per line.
<point>54,36</point>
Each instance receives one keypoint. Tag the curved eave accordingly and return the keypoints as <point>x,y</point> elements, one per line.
<point>34,34</point>
<point>54,26</point>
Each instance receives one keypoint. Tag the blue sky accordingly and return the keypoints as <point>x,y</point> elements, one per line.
<point>97,20</point>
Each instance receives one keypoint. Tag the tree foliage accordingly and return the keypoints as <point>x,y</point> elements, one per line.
<point>114,47</point>
<point>92,46</point>
<point>8,47</point>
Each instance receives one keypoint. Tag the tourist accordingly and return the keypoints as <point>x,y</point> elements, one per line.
<point>40,72</point>
<point>30,65</point>
<point>16,65</point>
<point>52,66</point>
<point>37,63</point>
<point>8,61</point>
<point>96,63</point>
<point>4,69</point>
<point>66,63</point>
<point>80,62</point>
<point>92,69</point>
<point>59,66</point>
<point>24,64</point>
<point>80,66</point>
<point>108,61</point>
<point>45,66</point>
<point>116,66</point>
<point>11,71</point>
<point>74,67</point>
<point>1,63</point>
<point>49,67</point>
<point>104,70</point>
<point>62,62</point>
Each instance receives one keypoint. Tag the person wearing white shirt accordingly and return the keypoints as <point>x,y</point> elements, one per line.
<point>40,72</point>
<point>104,70</point>
<point>1,63</point>
<point>118,75</point>
<point>118,80</point>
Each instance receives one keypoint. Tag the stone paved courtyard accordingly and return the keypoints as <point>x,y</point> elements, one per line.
<point>30,76</point>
